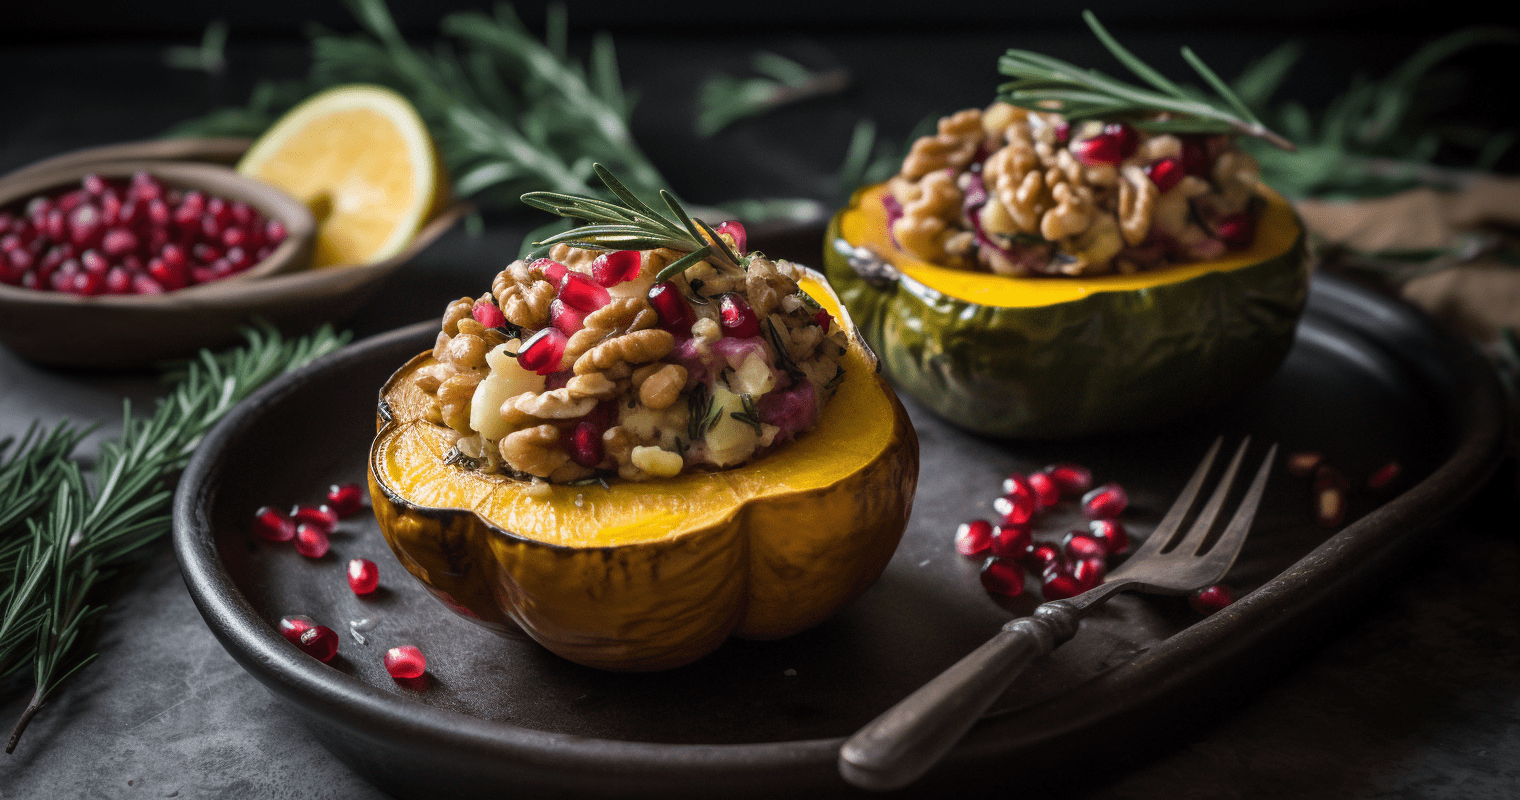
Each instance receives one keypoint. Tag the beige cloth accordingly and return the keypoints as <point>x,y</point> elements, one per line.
<point>1479,297</point>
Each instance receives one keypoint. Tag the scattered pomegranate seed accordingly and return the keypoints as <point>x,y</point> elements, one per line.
<point>486,313</point>
<point>1127,136</point>
<point>1012,541</point>
<point>1002,576</point>
<point>1045,488</point>
<point>973,538</point>
<point>320,642</point>
<point>1211,598</point>
<point>1111,533</point>
<point>553,271</point>
<point>542,352</point>
<point>293,626</point>
<point>1017,484</point>
<point>736,231</point>
<point>1303,464</point>
<point>581,293</point>
<point>405,662</point>
<point>1079,545</point>
<point>1089,572</point>
<point>584,443</point>
<point>1099,150</point>
<point>1166,173</point>
<point>566,318</point>
<point>1329,506</point>
<point>675,313</point>
<point>1105,502</point>
<point>311,540</point>
<point>1043,556</point>
<point>322,516</point>
<point>1236,230</point>
<point>273,524</point>
<point>1384,475</point>
<point>345,499</point>
<point>1059,585</point>
<point>363,575</point>
<point>1072,478</point>
<point>736,317</point>
<point>611,269</point>
<point>1016,509</point>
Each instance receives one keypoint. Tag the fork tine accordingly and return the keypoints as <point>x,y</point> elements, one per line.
<point>1222,555</point>
<point>1210,513</point>
<point>1172,522</point>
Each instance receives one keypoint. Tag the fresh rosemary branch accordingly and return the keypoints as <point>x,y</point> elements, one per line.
<point>86,528</point>
<point>633,225</point>
<point>723,99</point>
<point>1050,84</point>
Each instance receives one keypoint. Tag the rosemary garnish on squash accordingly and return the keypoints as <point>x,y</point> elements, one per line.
<point>1043,83</point>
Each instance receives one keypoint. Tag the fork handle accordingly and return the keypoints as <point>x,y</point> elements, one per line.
<point>907,739</point>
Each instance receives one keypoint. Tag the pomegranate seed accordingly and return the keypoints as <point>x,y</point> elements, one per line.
<point>1088,572</point>
<point>363,575</point>
<point>218,209</point>
<point>566,318</point>
<point>1166,173</point>
<point>211,228</point>
<point>1011,541</point>
<point>1236,230</point>
<point>87,283</point>
<point>145,284</point>
<point>1017,484</point>
<point>1105,502</point>
<point>93,262</point>
<point>118,280</point>
<point>274,525</point>
<point>72,200</point>
<point>166,276</point>
<point>822,319</point>
<point>581,293</point>
<point>146,187</point>
<point>110,208</point>
<point>1002,576</point>
<point>1043,556</point>
<point>1384,475</point>
<point>1056,585</point>
<point>274,232</point>
<point>486,313</point>
<point>205,254</point>
<point>159,215</point>
<point>1128,137</point>
<point>1099,150</point>
<point>1072,479</point>
<point>311,540</point>
<point>542,352</point>
<point>554,272</point>
<point>1195,159</point>
<point>584,444</point>
<point>1079,545</point>
<point>1017,509</point>
<point>321,516</point>
<point>85,227</point>
<point>1063,132</point>
<point>118,242</point>
<point>188,212</point>
<point>238,258</point>
<point>1303,464</point>
<point>674,312</point>
<point>611,269</point>
<point>1111,533</point>
<point>736,317</point>
<point>1045,488</point>
<point>1211,598</point>
<point>735,230</point>
<point>405,662</point>
<point>345,499</point>
<point>1329,506</point>
<point>56,225</point>
<point>974,537</point>
<point>320,642</point>
<point>94,184</point>
<point>291,627</point>
<point>241,212</point>
<point>234,237</point>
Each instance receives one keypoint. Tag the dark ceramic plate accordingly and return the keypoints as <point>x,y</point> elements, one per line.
<point>1368,381</point>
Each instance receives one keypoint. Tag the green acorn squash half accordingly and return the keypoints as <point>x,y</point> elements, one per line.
<point>655,574</point>
<point>1056,357</point>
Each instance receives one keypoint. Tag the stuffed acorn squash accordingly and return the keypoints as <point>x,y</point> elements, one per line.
<point>607,563</point>
<point>1080,257</point>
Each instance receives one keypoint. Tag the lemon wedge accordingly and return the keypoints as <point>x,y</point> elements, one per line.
<point>361,159</point>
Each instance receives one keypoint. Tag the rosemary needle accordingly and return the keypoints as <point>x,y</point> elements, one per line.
<point>77,531</point>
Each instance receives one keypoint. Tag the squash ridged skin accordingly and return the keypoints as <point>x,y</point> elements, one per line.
<point>1110,361</point>
<point>761,567</point>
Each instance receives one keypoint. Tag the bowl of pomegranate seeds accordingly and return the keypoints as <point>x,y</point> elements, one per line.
<point>154,250</point>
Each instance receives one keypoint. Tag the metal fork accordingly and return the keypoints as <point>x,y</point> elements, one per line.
<point>905,741</point>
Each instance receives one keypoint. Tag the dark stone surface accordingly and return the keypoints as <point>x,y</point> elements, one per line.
<point>1417,697</point>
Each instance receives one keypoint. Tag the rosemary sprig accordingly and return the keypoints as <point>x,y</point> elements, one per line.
<point>1050,84</point>
<point>750,415</point>
<point>86,528</point>
<point>634,225</point>
<point>700,413</point>
<point>724,99</point>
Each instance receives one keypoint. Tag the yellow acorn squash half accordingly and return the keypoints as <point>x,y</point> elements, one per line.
<point>1052,357</point>
<point>652,575</point>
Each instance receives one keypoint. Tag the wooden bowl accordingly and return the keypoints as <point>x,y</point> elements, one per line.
<point>134,331</point>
